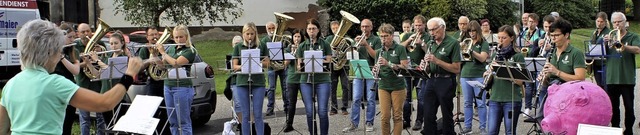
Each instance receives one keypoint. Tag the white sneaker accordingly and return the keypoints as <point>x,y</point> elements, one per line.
<point>525,112</point>
<point>349,129</point>
<point>369,127</point>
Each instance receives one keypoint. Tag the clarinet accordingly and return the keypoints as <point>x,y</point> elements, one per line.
<point>544,75</point>
<point>376,71</point>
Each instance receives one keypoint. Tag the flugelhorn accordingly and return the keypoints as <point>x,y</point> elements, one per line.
<point>543,52</point>
<point>467,44</point>
<point>614,40</point>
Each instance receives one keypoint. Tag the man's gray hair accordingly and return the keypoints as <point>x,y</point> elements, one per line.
<point>38,41</point>
<point>438,21</point>
<point>614,14</point>
<point>334,23</point>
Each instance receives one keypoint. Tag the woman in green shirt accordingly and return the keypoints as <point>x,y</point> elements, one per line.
<point>505,102</point>
<point>472,71</point>
<point>178,93</point>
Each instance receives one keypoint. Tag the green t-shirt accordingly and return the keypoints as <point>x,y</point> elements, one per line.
<point>292,76</point>
<point>36,101</point>
<point>621,67</point>
<point>326,51</point>
<point>190,54</point>
<point>570,59</point>
<point>418,53</point>
<point>504,90</point>
<point>475,68</point>
<point>389,79</point>
<point>241,79</point>
<point>81,79</point>
<point>329,38</point>
<point>363,52</point>
<point>448,51</point>
<point>595,36</point>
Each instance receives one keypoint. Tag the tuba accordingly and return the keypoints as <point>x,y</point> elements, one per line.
<point>90,46</point>
<point>155,71</point>
<point>281,20</point>
<point>614,40</point>
<point>339,45</point>
<point>466,46</point>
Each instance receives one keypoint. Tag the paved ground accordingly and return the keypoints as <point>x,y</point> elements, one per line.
<point>337,122</point>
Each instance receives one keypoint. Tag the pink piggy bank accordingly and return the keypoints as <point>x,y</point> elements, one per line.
<point>573,103</point>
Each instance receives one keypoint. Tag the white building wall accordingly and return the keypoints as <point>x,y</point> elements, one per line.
<point>257,11</point>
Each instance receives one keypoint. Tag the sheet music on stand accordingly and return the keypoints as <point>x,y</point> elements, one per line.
<point>512,73</point>
<point>313,61</point>
<point>139,118</point>
<point>251,63</point>
<point>275,51</point>
<point>361,69</point>
<point>116,68</point>
<point>535,64</point>
<point>595,50</point>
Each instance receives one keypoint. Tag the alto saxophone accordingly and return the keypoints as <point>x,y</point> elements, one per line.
<point>488,79</point>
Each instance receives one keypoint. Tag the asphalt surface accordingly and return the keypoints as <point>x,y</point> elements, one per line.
<point>338,122</point>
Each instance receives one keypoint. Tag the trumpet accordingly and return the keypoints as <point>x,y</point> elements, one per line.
<point>466,49</point>
<point>99,53</point>
<point>412,46</point>
<point>359,41</point>
<point>614,40</point>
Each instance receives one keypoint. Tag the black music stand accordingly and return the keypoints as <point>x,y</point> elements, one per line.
<point>251,64</point>
<point>112,122</point>
<point>361,67</point>
<point>515,73</point>
<point>313,64</point>
<point>598,52</point>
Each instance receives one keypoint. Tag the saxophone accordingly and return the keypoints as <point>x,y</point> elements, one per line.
<point>488,79</point>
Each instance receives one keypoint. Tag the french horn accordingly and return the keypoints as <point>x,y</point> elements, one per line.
<point>156,71</point>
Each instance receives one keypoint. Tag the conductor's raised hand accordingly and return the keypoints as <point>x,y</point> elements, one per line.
<point>135,63</point>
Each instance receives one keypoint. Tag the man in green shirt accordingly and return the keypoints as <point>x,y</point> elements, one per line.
<point>444,64</point>
<point>566,62</point>
<point>415,56</point>
<point>463,27</point>
<point>340,74</point>
<point>273,74</point>
<point>156,87</point>
<point>83,81</point>
<point>621,72</point>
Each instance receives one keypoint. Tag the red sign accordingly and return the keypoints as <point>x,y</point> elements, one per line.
<point>28,4</point>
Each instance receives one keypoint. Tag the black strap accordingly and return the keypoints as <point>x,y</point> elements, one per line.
<point>126,80</point>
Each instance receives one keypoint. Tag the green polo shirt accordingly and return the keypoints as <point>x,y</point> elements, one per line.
<point>241,79</point>
<point>621,67</point>
<point>326,51</point>
<point>328,39</point>
<point>507,91</point>
<point>595,36</point>
<point>81,79</point>
<point>186,52</point>
<point>448,51</point>
<point>570,59</point>
<point>475,68</point>
<point>389,79</point>
<point>36,101</point>
<point>417,54</point>
<point>458,34</point>
<point>292,76</point>
<point>375,43</point>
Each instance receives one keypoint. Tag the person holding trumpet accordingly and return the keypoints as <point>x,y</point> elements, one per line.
<point>415,51</point>
<point>84,81</point>
<point>178,93</point>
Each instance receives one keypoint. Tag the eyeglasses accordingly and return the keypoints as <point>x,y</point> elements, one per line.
<point>436,28</point>
<point>384,36</point>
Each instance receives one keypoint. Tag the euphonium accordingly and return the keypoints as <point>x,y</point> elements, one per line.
<point>338,44</point>
<point>467,44</point>
<point>100,32</point>
<point>614,40</point>
<point>281,20</point>
<point>155,71</point>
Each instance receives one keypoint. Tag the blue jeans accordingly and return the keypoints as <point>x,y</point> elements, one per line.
<point>358,92</point>
<point>503,111</point>
<point>179,98</point>
<point>85,123</point>
<point>322,92</point>
<point>530,92</point>
<point>236,102</point>
<point>256,102</point>
<point>411,83</point>
<point>273,75</point>
<point>470,92</point>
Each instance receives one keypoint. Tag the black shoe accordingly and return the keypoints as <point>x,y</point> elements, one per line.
<point>417,126</point>
<point>531,120</point>
<point>269,111</point>
<point>406,125</point>
<point>288,128</point>
<point>333,112</point>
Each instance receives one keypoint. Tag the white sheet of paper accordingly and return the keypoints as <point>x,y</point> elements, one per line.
<point>596,49</point>
<point>172,74</point>
<point>539,62</point>
<point>251,61</point>
<point>476,84</point>
<point>144,106</point>
<point>115,72</point>
<point>139,125</point>
<point>313,66</point>
<point>353,55</point>
<point>289,56</point>
<point>586,129</point>
<point>275,50</point>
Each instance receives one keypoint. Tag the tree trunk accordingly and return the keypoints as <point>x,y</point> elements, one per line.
<point>92,14</point>
<point>55,11</point>
<point>636,10</point>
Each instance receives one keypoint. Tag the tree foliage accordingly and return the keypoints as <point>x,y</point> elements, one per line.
<point>378,11</point>
<point>435,8</point>
<point>473,9</point>
<point>501,12</point>
<point>575,11</point>
<point>148,12</point>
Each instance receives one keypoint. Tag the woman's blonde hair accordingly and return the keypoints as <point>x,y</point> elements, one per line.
<point>184,29</point>
<point>247,27</point>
